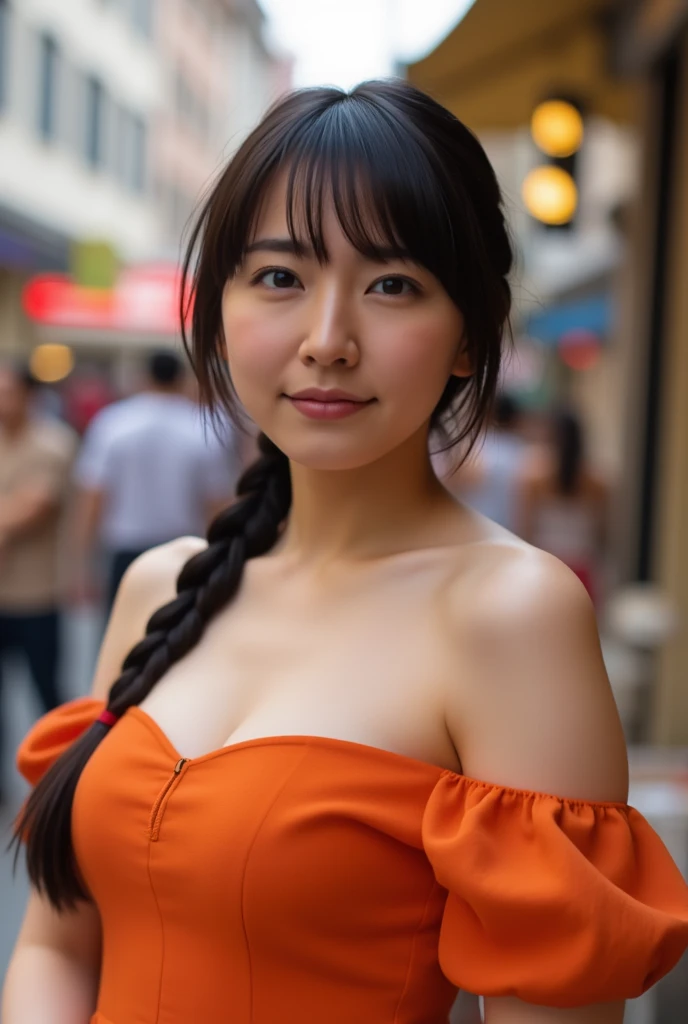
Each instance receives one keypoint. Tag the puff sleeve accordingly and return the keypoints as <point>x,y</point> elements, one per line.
<point>50,736</point>
<point>558,902</point>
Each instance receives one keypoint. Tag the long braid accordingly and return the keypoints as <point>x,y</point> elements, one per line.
<point>210,579</point>
<point>206,583</point>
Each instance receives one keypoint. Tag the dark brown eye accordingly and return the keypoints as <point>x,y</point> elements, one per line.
<point>282,279</point>
<point>393,286</point>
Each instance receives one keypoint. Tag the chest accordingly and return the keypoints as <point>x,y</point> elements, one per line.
<point>364,661</point>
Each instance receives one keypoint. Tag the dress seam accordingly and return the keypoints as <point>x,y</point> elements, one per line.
<point>259,827</point>
<point>412,951</point>
<point>162,933</point>
<point>532,794</point>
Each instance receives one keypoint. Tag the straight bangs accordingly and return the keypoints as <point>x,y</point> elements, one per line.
<point>386,196</point>
<point>387,200</point>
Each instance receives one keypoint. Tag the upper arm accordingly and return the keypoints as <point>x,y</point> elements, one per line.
<point>45,478</point>
<point>535,711</point>
<point>91,463</point>
<point>148,583</point>
<point>76,933</point>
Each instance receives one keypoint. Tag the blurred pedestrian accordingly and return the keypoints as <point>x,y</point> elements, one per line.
<point>85,394</point>
<point>150,470</point>
<point>488,481</point>
<point>35,459</point>
<point>564,502</point>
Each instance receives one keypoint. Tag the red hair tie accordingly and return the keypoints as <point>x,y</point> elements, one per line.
<point>107,718</point>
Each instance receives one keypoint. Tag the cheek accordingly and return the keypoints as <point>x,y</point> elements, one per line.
<point>422,354</point>
<point>255,349</point>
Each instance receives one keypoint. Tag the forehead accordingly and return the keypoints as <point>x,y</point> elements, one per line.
<point>311,211</point>
<point>272,212</point>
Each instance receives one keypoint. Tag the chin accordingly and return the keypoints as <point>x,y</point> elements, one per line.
<point>331,458</point>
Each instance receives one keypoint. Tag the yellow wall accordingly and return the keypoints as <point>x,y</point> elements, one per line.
<point>500,60</point>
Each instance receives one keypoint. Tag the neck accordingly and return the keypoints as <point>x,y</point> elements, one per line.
<point>365,513</point>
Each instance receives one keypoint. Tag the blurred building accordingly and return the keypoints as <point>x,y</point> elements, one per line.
<point>79,86</point>
<point>614,281</point>
<point>114,117</point>
<point>219,78</point>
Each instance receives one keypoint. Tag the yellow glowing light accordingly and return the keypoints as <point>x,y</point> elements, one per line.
<point>50,363</point>
<point>557,128</point>
<point>550,195</point>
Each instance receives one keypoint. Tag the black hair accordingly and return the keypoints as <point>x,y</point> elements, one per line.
<point>506,410</point>
<point>568,439</point>
<point>404,174</point>
<point>21,371</point>
<point>165,368</point>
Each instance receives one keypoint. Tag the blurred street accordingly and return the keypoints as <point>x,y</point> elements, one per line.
<point>19,709</point>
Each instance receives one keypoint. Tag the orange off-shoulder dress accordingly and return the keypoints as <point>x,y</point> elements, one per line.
<point>302,880</point>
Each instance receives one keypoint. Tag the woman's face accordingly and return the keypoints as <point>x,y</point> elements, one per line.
<point>386,333</point>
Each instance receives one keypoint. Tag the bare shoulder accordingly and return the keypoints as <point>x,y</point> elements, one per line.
<point>532,706</point>
<point>509,585</point>
<point>149,583</point>
<point>151,578</point>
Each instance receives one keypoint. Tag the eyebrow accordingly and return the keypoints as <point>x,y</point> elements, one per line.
<point>288,245</point>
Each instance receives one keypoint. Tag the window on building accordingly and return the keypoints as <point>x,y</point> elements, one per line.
<point>119,142</point>
<point>191,109</point>
<point>47,86</point>
<point>131,145</point>
<point>4,50</point>
<point>138,153</point>
<point>142,16</point>
<point>95,104</point>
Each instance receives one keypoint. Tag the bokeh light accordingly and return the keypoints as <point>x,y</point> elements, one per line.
<point>550,195</point>
<point>557,128</point>
<point>51,363</point>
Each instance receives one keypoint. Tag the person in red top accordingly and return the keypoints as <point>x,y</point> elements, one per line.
<point>356,749</point>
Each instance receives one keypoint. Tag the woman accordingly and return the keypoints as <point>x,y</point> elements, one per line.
<point>565,504</point>
<point>318,788</point>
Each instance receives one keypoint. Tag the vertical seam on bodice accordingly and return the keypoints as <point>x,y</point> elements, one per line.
<point>162,932</point>
<point>433,887</point>
<point>268,809</point>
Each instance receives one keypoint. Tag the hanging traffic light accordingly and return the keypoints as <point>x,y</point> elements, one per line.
<point>550,190</point>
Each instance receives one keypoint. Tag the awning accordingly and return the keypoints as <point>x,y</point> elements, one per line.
<point>506,55</point>
<point>27,245</point>
<point>593,313</point>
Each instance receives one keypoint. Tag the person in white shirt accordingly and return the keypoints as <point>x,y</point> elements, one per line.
<point>150,470</point>
<point>489,480</point>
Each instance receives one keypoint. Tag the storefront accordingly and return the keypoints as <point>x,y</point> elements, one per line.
<point>91,339</point>
<point>630,62</point>
<point>650,43</point>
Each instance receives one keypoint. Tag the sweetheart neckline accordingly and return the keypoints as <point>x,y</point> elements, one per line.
<point>367,748</point>
<point>286,739</point>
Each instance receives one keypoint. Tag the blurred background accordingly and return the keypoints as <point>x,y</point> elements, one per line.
<point>114,117</point>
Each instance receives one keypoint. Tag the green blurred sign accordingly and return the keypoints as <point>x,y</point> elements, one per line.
<point>94,264</point>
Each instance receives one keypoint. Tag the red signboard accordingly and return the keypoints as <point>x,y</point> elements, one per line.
<point>144,300</point>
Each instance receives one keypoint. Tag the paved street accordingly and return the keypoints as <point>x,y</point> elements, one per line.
<point>19,708</point>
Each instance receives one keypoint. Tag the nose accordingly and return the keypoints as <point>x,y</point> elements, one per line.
<point>330,332</point>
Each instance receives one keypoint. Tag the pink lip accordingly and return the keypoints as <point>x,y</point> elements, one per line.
<point>330,410</point>
<point>331,395</point>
